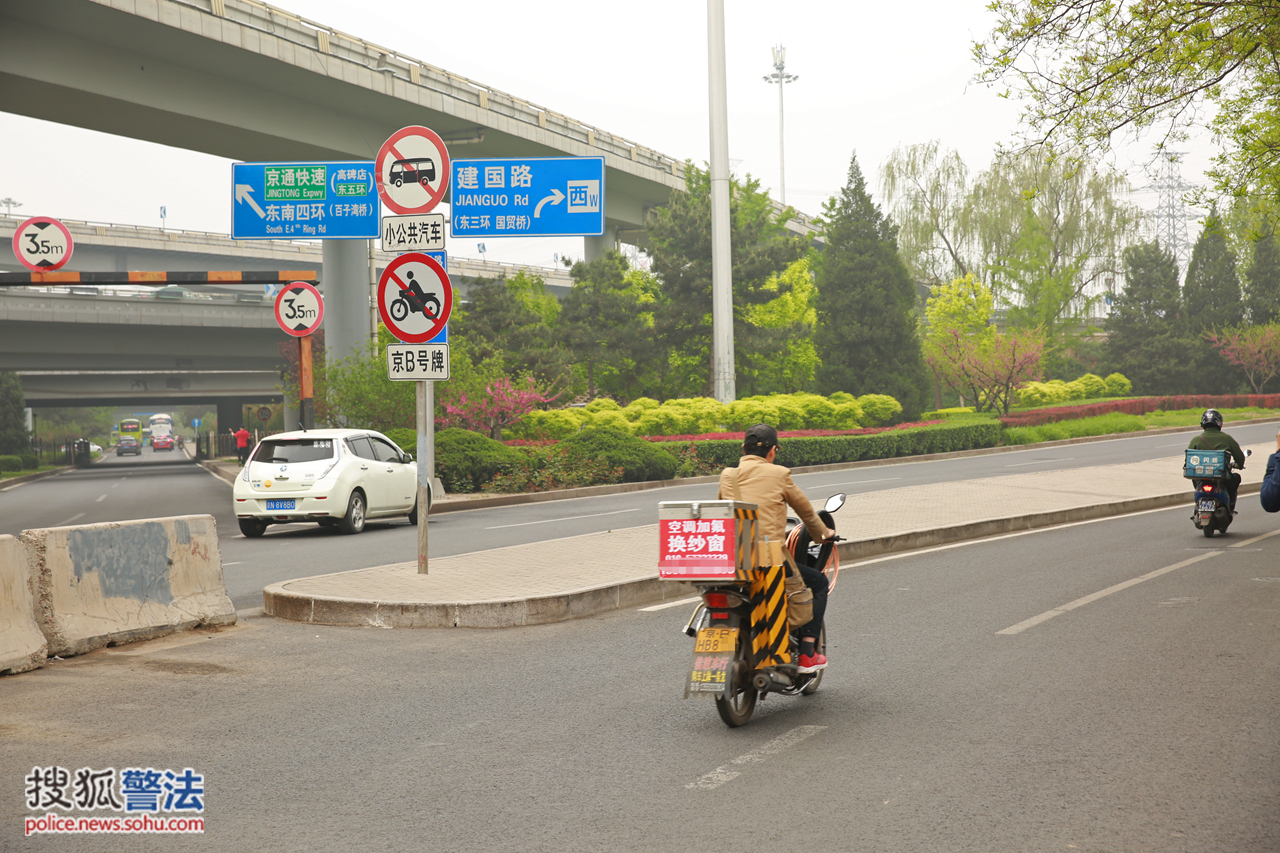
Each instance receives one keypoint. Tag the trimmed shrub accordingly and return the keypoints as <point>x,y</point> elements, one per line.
<point>542,469</point>
<point>1094,386</point>
<point>639,406</point>
<point>1118,385</point>
<point>10,463</point>
<point>609,419</point>
<point>466,460</point>
<point>1142,406</point>
<point>943,414</point>
<point>750,411</point>
<point>664,420</point>
<point>602,404</point>
<point>878,409</point>
<point>639,460</point>
<point>406,439</point>
<point>556,423</point>
<point>30,463</point>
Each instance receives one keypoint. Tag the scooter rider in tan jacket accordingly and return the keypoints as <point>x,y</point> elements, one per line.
<point>772,490</point>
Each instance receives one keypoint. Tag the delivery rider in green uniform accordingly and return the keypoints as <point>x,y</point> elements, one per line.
<point>1213,438</point>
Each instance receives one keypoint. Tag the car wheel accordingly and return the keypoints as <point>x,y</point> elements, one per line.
<point>353,521</point>
<point>252,527</point>
<point>413,513</point>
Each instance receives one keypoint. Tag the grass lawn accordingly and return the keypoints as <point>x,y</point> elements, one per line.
<point>1117,423</point>
<point>5,475</point>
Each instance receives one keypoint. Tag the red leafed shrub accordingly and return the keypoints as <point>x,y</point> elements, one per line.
<point>1141,406</point>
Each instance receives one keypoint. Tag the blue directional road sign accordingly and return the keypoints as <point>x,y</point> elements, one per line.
<point>527,197</point>
<point>299,201</point>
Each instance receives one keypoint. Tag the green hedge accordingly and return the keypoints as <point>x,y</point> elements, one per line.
<point>407,439</point>
<point>10,463</point>
<point>828,450</point>
<point>466,460</point>
<point>639,460</point>
<point>30,462</point>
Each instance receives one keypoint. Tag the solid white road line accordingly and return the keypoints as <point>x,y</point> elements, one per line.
<point>1088,599</point>
<point>860,482</point>
<point>724,773</point>
<point>1040,462</point>
<point>667,604</point>
<point>1080,602</point>
<point>568,518</point>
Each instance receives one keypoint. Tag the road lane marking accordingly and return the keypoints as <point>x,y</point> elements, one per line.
<point>241,563</point>
<point>14,486</point>
<point>1255,539</point>
<point>569,518</point>
<point>1041,462</point>
<point>115,485</point>
<point>667,604</point>
<point>725,772</point>
<point>99,499</point>
<point>860,482</point>
<point>67,521</point>
<point>1102,593</point>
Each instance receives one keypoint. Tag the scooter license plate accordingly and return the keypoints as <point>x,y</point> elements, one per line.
<point>712,659</point>
<point>1208,506</point>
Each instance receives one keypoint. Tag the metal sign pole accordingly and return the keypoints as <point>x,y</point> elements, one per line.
<point>425,436</point>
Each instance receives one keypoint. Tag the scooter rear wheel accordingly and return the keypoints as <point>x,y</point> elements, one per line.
<point>736,710</point>
<point>1207,530</point>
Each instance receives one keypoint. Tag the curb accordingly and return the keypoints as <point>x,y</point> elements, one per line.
<point>574,604</point>
<point>28,478</point>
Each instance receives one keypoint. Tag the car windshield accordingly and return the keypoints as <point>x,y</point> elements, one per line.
<point>294,450</point>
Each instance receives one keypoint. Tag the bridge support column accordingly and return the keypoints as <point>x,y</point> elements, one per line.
<point>290,415</point>
<point>345,284</point>
<point>230,414</point>
<point>595,247</point>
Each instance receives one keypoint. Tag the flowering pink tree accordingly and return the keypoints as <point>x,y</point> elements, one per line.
<point>1253,349</point>
<point>502,404</point>
<point>986,368</point>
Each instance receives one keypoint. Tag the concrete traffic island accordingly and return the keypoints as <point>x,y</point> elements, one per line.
<point>582,575</point>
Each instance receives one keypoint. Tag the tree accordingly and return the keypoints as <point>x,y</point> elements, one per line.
<point>14,437</point>
<point>500,405</point>
<point>1087,70</point>
<point>509,319</point>
<point>1212,291</point>
<point>1147,337</point>
<point>358,392</point>
<point>1262,280</point>
<point>680,246</point>
<point>792,367</point>
<point>865,334</point>
<point>925,189</point>
<point>604,324</point>
<point>1253,349</point>
<point>967,353</point>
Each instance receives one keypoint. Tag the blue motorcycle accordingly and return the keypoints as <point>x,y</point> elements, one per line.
<point>1210,472</point>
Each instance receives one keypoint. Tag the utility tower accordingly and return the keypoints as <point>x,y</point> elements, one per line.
<point>1172,213</point>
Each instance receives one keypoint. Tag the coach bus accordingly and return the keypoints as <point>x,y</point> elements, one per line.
<point>161,425</point>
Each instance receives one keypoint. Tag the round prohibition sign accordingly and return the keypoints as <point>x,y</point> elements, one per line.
<point>299,308</point>
<point>42,244</point>
<point>415,297</point>
<point>412,170</point>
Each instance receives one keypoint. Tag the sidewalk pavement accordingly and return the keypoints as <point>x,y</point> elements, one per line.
<point>577,576</point>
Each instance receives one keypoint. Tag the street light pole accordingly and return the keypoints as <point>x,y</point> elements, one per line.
<point>781,77</point>
<point>722,363</point>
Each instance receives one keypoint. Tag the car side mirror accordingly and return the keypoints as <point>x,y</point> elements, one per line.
<point>406,458</point>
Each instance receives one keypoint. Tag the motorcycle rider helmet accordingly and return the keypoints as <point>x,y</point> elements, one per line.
<point>1211,418</point>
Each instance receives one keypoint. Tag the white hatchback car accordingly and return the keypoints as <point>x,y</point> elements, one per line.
<point>336,477</point>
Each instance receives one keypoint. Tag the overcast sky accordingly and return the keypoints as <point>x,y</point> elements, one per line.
<point>872,76</point>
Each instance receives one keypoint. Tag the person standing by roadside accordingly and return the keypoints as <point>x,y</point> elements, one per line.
<point>242,445</point>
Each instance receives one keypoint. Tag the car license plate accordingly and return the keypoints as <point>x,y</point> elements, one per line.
<point>289,504</point>
<point>1207,506</point>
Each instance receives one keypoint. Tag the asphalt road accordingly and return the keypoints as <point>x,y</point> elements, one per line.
<point>1140,719</point>
<point>158,484</point>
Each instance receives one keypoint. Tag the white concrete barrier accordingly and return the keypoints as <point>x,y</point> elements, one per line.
<point>106,584</point>
<point>22,646</point>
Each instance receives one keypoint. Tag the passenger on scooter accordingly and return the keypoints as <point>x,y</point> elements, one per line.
<point>771,488</point>
<point>1213,438</point>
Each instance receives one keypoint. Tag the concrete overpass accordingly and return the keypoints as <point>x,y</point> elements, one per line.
<point>244,80</point>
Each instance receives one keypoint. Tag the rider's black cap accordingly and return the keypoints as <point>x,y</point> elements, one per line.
<point>760,437</point>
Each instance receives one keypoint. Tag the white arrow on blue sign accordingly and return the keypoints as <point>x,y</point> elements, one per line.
<point>527,197</point>
<point>298,201</point>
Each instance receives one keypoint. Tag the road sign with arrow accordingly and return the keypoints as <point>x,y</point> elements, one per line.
<point>528,197</point>
<point>301,201</point>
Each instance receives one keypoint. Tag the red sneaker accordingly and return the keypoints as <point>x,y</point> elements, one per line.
<point>812,663</point>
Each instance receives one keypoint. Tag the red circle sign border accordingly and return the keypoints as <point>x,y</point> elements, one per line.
<point>431,262</point>
<point>319,299</point>
<point>435,197</point>
<point>17,253</point>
